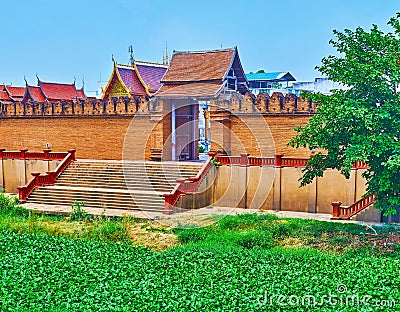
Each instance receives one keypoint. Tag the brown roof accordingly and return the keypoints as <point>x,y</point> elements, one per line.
<point>199,66</point>
<point>189,90</point>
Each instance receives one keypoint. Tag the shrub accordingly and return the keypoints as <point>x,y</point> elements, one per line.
<point>78,213</point>
<point>252,239</point>
<point>108,230</point>
<point>10,206</point>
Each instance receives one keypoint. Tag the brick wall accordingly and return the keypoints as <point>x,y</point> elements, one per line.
<point>92,137</point>
<point>97,129</point>
<point>266,134</point>
<point>282,129</point>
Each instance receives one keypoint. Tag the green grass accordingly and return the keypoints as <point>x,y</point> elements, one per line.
<point>45,273</point>
<point>240,263</point>
<point>267,231</point>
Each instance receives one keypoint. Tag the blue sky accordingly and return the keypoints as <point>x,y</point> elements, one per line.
<point>60,40</point>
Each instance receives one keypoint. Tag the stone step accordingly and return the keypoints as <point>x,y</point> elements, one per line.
<point>117,181</point>
<point>131,173</point>
<point>127,167</point>
<point>98,200</point>
<point>169,175</point>
<point>52,201</point>
<point>124,176</point>
<point>106,191</point>
<point>157,187</point>
<point>115,185</point>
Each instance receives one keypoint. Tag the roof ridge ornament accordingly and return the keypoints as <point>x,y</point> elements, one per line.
<point>131,56</point>
<point>166,54</point>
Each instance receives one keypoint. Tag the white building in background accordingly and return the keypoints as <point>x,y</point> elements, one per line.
<point>284,83</point>
<point>262,82</point>
<point>319,85</point>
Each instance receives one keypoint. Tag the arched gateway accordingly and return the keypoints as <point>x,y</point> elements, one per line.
<point>192,82</point>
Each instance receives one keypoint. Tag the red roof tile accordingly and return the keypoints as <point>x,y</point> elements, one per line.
<point>131,80</point>
<point>16,92</point>
<point>81,94</point>
<point>199,66</point>
<point>151,74</point>
<point>59,91</point>
<point>4,96</point>
<point>190,90</point>
<point>36,94</point>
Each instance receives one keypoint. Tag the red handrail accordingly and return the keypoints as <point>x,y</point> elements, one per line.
<point>25,154</point>
<point>346,212</point>
<point>228,160</point>
<point>277,161</point>
<point>46,179</point>
<point>186,186</point>
<point>294,162</point>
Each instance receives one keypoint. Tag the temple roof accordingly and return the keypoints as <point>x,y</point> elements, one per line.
<point>16,93</point>
<point>4,97</point>
<point>81,93</point>
<point>151,74</point>
<point>210,70</point>
<point>60,91</point>
<point>198,90</point>
<point>34,94</point>
<point>140,78</point>
<point>131,80</point>
<point>199,66</point>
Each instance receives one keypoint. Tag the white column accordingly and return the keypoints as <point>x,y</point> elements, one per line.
<point>173,133</point>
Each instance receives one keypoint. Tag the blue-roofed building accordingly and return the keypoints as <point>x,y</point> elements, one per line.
<point>268,82</point>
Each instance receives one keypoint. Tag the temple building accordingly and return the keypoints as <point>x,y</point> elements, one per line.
<point>11,93</point>
<point>4,97</point>
<point>52,92</point>
<point>138,79</point>
<point>203,74</point>
<point>194,81</point>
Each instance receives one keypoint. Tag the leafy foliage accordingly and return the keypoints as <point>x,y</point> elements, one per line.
<point>229,266</point>
<point>45,273</point>
<point>216,163</point>
<point>10,206</point>
<point>78,213</point>
<point>363,121</point>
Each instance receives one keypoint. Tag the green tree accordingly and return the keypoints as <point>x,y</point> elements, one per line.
<point>361,122</point>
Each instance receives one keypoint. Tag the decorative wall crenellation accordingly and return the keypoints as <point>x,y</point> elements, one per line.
<point>277,103</point>
<point>88,107</point>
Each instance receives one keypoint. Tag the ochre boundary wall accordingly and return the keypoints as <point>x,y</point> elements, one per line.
<point>16,167</point>
<point>273,183</point>
<point>97,129</point>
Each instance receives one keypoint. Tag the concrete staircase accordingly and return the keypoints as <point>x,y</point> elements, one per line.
<point>115,184</point>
